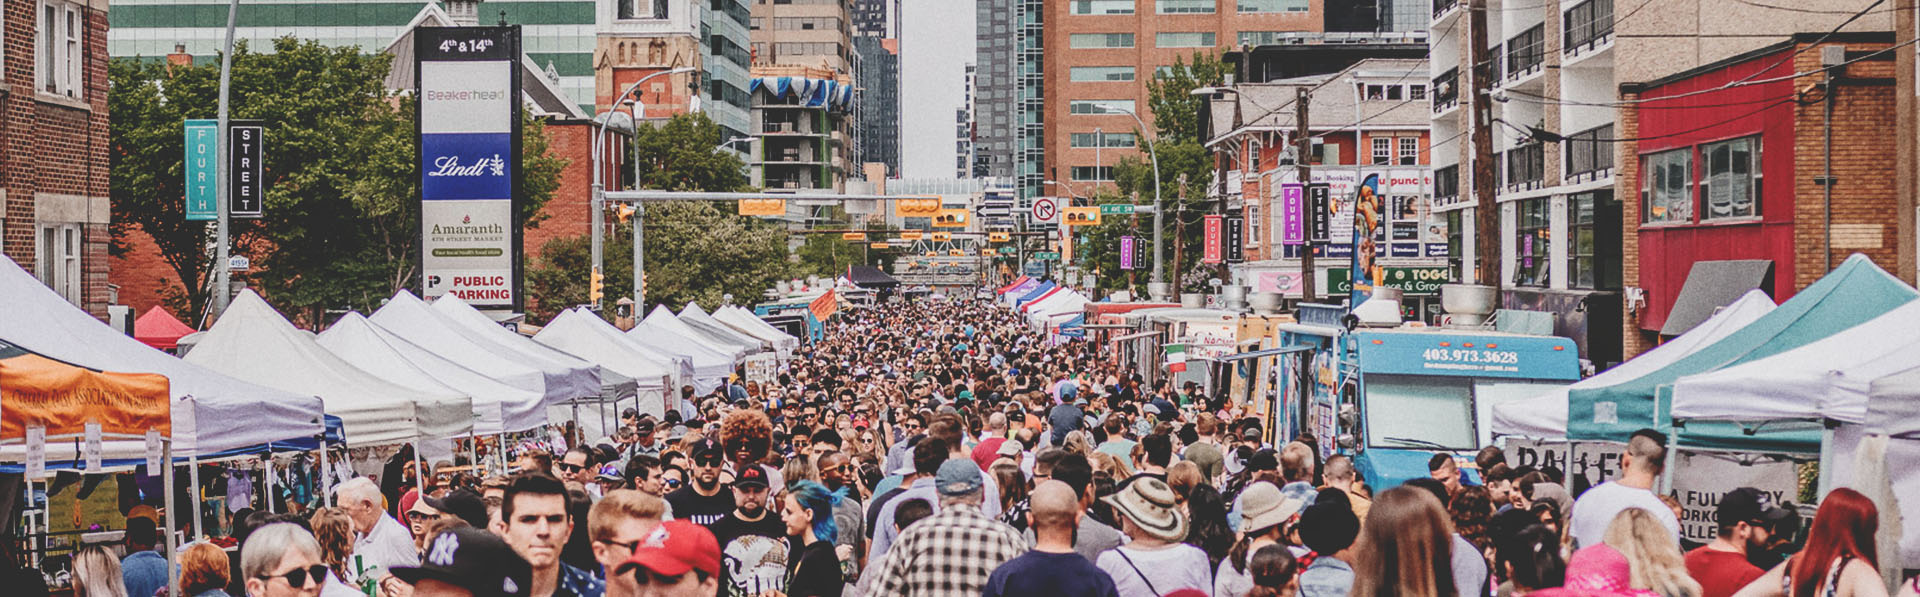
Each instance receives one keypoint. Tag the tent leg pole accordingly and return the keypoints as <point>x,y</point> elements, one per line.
<point>193,480</point>
<point>473,451</point>
<point>266,466</point>
<point>326,475</point>
<point>173,542</point>
<point>420,475</point>
<point>500,451</point>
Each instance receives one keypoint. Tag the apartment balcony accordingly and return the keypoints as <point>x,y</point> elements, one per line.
<point>1444,10</point>
<point>1525,58</point>
<point>1445,92</point>
<point>1589,155</point>
<point>1587,30</point>
<point>1524,168</point>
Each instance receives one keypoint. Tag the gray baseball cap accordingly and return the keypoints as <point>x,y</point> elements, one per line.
<point>958,476</point>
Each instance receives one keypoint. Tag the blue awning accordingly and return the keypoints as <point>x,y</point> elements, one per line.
<point>1266,352</point>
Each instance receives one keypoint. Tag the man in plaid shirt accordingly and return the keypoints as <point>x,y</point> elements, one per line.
<point>954,552</point>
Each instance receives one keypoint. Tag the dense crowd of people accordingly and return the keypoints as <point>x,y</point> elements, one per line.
<point>943,449</point>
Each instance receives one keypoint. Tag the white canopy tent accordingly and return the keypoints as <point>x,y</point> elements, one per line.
<point>710,366</point>
<point>698,319</point>
<point>589,374</point>
<point>1067,303</point>
<point>1545,416</point>
<point>211,412</point>
<point>662,319</point>
<point>410,319</point>
<point>1893,412</point>
<point>732,317</point>
<point>499,407</point>
<point>586,336</point>
<point>1828,378</point>
<point>253,342</point>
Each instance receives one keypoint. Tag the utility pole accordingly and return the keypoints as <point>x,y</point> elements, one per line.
<point>222,286</point>
<point>1486,241</point>
<point>1303,168</point>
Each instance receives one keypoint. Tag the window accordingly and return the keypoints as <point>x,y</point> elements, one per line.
<point>1272,6</point>
<point>1445,94</point>
<point>1096,106</point>
<point>1095,74</point>
<point>1163,72</point>
<point>1202,39</point>
<point>59,50</point>
<point>1083,41</point>
<point>1457,221</point>
<point>1269,38</point>
<point>1253,224</point>
<point>1102,139</point>
<point>1590,151</point>
<point>1666,187</point>
<point>1526,165</point>
<point>1382,151</point>
<point>58,260</point>
<point>806,23</point>
<point>1409,151</point>
<point>1446,184</point>
<point>1580,240</point>
<point>1530,239</point>
<point>1174,7</point>
<point>1730,180</point>
<point>807,48</point>
<point>1445,405</point>
<point>1102,7</point>
<point>1526,51</point>
<point>1096,173</point>
<point>1416,91</point>
<point>1589,23</point>
<point>643,9</point>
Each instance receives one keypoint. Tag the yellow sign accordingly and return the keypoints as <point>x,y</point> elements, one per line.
<point>910,235</point>
<point>957,253</point>
<point>853,236</point>
<point>942,237</point>
<point>763,207</point>
<point>950,218</point>
<point>986,252</point>
<point>933,253</point>
<point>999,237</point>
<point>1081,216</point>
<point>880,245</point>
<point>917,207</point>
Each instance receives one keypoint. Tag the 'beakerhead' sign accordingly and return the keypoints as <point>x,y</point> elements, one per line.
<point>470,163</point>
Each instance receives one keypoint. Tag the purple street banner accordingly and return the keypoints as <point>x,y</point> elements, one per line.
<point>1126,252</point>
<point>1293,210</point>
<point>1368,213</point>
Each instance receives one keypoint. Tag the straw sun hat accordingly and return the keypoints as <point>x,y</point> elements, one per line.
<point>1152,506</point>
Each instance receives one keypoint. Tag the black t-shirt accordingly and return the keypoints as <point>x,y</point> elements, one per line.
<point>731,527</point>
<point>700,509</point>
<point>1050,574</point>
<point>814,572</point>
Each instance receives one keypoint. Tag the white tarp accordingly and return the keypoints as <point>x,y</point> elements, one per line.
<point>1827,378</point>
<point>253,342</point>
<point>742,316</point>
<point>211,412</point>
<point>498,407</point>
<point>579,334</point>
<point>698,319</point>
<point>752,326</point>
<point>1545,416</point>
<point>585,379</point>
<point>663,319</point>
<point>710,366</point>
<point>410,319</point>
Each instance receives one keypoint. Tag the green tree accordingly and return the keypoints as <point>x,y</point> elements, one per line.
<point>1176,111</point>
<point>341,228</point>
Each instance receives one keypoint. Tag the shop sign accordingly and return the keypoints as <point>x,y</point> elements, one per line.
<point>1410,280</point>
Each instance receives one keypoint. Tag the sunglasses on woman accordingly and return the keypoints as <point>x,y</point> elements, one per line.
<point>297,577</point>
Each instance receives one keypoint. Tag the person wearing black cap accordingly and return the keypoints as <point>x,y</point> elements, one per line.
<point>704,500</point>
<point>463,503</point>
<point>644,441</point>
<point>1328,528</point>
<point>468,562</point>
<point>751,535</point>
<point>1746,517</point>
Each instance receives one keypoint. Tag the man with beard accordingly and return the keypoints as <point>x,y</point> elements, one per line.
<point>535,522</point>
<point>753,539</point>
<point>1745,516</point>
<point>704,500</point>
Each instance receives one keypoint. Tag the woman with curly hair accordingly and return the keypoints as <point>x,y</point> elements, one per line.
<point>1471,509</point>
<point>747,435</point>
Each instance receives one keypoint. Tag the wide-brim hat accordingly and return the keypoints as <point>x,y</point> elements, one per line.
<point>1263,506</point>
<point>1153,507</point>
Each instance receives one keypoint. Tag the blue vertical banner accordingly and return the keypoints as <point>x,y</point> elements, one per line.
<point>1369,211</point>
<point>469,119</point>
<point>202,149</point>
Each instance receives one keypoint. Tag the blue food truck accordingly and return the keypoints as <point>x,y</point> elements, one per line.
<point>1394,397</point>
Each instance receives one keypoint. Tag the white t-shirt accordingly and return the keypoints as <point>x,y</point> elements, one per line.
<point>1168,569</point>
<point>1598,506</point>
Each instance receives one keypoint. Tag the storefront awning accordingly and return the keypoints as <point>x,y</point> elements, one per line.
<point>1712,285</point>
<point>1135,336</point>
<point>1266,352</point>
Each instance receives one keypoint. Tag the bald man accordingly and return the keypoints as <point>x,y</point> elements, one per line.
<point>1052,567</point>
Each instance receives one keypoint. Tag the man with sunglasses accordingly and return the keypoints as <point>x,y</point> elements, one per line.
<point>618,523</point>
<point>704,499</point>
<point>576,466</point>
<point>535,522</point>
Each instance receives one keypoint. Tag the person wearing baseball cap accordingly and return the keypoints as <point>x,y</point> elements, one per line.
<point>678,559</point>
<point>1746,517</point>
<point>468,562</point>
<point>751,534</point>
<point>704,500</point>
<point>955,551</point>
<point>464,503</point>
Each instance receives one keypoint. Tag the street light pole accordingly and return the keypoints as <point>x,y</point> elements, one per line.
<point>598,204</point>
<point>222,290</point>
<point>1158,287</point>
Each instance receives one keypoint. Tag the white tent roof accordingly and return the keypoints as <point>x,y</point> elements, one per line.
<point>1064,301</point>
<point>410,319</point>
<point>583,378</point>
<point>499,407</point>
<point>698,319</point>
<point>663,319</point>
<point>768,335</point>
<point>740,315</point>
<point>1545,416</point>
<point>711,366</point>
<point>253,342</point>
<point>1826,378</point>
<point>212,412</point>
<point>588,337</point>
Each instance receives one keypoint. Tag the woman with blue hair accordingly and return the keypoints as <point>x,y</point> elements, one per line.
<point>808,512</point>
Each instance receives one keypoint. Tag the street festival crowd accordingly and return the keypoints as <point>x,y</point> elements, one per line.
<point>944,449</point>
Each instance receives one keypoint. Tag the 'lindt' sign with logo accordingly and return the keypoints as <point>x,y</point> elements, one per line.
<point>470,163</point>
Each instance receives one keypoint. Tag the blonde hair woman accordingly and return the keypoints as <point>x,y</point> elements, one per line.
<point>1652,553</point>
<point>334,532</point>
<point>97,574</point>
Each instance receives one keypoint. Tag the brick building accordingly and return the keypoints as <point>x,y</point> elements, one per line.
<point>1727,161</point>
<point>53,146</point>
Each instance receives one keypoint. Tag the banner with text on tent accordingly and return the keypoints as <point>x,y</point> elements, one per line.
<point>36,391</point>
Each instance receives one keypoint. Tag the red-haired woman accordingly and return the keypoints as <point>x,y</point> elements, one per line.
<point>1839,559</point>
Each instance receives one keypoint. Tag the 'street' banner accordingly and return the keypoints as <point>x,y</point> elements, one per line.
<point>469,118</point>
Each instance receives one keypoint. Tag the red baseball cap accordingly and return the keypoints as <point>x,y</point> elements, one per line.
<point>675,547</point>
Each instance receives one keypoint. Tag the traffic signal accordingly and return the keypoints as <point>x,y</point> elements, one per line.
<point>941,237</point>
<point>950,218</point>
<point>1081,216</point>
<point>596,284</point>
<point>763,207</point>
<point>917,207</point>
<point>999,237</point>
<point>853,236</point>
<point>623,212</point>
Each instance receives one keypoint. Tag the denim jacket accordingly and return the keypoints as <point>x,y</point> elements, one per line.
<point>1326,577</point>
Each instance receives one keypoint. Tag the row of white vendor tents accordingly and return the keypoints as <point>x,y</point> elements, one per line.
<point>1045,305</point>
<point>410,372</point>
<point>1831,375</point>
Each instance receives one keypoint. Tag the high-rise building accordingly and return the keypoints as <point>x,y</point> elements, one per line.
<point>804,66</point>
<point>1008,54</point>
<point>876,41</point>
<point>963,119</point>
<point>1100,54</point>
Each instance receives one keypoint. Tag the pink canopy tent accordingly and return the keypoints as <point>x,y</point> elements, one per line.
<point>159,329</point>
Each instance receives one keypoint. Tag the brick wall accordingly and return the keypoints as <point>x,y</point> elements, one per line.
<point>1864,196</point>
<point>1626,176</point>
<point>143,276</point>
<point>567,213</point>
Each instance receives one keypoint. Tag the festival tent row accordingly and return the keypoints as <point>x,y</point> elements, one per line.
<point>745,322</point>
<point>711,365</point>
<point>697,319</point>
<point>408,318</point>
<point>663,322</point>
<point>585,335</point>
<point>499,408</point>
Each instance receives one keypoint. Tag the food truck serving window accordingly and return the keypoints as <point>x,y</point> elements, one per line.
<point>1419,411</point>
